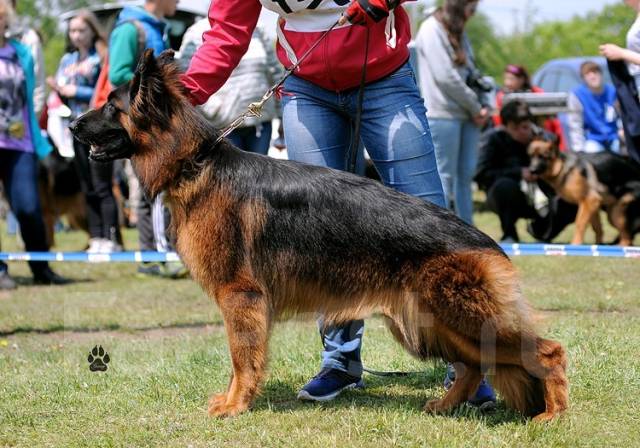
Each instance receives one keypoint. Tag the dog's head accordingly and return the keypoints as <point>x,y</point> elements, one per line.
<point>137,114</point>
<point>543,152</point>
<point>106,129</point>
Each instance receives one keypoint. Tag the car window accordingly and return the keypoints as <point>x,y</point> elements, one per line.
<point>567,81</point>
<point>548,81</point>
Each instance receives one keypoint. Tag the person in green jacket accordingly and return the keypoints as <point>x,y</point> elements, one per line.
<point>136,29</point>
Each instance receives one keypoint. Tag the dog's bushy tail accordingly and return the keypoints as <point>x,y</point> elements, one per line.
<point>519,389</point>
<point>539,385</point>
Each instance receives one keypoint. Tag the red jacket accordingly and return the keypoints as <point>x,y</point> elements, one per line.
<point>336,64</point>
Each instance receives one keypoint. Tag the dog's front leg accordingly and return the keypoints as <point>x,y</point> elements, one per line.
<point>586,209</point>
<point>247,322</point>
<point>596,223</point>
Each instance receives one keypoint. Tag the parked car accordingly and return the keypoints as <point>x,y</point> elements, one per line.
<point>563,75</point>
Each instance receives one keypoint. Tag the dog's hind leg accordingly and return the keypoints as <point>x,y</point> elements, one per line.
<point>468,378</point>
<point>532,378</point>
<point>618,218</point>
<point>596,223</point>
<point>423,337</point>
<point>247,320</point>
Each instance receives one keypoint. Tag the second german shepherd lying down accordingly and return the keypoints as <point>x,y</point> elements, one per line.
<point>267,238</point>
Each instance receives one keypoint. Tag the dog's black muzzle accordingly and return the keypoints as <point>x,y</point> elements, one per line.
<point>107,143</point>
<point>537,166</point>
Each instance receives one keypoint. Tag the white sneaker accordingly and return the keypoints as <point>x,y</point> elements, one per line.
<point>108,247</point>
<point>95,245</point>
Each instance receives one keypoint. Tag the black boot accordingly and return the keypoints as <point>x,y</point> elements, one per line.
<point>46,276</point>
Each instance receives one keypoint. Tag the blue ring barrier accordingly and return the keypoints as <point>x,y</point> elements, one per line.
<point>84,257</point>
<point>138,257</point>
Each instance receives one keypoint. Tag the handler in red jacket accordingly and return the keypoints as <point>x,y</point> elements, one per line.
<point>319,107</point>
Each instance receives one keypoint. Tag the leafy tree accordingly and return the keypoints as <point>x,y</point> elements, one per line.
<point>580,36</point>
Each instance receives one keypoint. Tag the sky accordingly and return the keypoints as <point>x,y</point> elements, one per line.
<point>503,13</point>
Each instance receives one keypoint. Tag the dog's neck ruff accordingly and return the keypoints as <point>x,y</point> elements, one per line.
<point>192,166</point>
<point>571,161</point>
<point>566,162</point>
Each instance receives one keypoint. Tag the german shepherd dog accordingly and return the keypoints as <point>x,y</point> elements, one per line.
<point>592,181</point>
<point>268,238</point>
<point>61,194</point>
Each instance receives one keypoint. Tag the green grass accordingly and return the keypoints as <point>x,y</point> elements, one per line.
<point>168,354</point>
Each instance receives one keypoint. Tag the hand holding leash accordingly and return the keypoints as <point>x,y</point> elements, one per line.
<point>367,12</point>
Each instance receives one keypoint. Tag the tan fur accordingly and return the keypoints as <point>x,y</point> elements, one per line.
<point>54,206</point>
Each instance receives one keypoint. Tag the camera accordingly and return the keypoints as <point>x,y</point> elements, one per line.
<point>482,85</point>
<point>477,82</point>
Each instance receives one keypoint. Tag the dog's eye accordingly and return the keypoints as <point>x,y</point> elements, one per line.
<point>110,109</point>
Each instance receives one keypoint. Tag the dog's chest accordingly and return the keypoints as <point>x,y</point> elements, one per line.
<point>207,236</point>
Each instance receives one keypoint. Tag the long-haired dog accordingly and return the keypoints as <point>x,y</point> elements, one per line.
<point>592,181</point>
<point>267,238</point>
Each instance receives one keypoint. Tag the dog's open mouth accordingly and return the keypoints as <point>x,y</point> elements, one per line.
<point>112,150</point>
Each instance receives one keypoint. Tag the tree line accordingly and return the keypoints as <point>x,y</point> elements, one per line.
<point>580,36</point>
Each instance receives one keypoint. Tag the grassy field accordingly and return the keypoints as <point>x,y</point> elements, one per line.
<point>168,354</point>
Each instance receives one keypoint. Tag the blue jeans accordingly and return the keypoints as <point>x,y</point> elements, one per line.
<point>253,138</point>
<point>318,126</point>
<point>456,143</point>
<point>19,174</point>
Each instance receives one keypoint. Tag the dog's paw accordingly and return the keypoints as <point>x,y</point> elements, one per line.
<point>217,400</point>
<point>219,408</point>
<point>544,417</point>
<point>98,359</point>
<point>435,406</point>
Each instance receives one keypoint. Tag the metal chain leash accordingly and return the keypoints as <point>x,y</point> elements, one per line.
<point>255,108</point>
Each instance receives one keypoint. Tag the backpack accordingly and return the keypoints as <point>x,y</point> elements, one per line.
<point>103,87</point>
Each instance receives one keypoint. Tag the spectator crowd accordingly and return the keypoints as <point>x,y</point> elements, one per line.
<point>479,137</point>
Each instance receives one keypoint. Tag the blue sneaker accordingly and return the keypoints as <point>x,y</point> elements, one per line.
<point>328,384</point>
<point>484,398</point>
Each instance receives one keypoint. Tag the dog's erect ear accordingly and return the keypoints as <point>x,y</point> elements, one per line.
<point>155,90</point>
<point>166,57</point>
<point>145,63</point>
